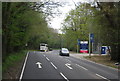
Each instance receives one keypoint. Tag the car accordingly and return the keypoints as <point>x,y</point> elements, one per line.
<point>64,51</point>
<point>50,49</point>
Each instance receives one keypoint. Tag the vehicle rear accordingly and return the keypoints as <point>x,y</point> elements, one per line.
<point>64,51</point>
<point>43,47</point>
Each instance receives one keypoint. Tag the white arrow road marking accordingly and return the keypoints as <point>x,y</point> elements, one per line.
<point>68,65</point>
<point>39,64</point>
<point>81,67</point>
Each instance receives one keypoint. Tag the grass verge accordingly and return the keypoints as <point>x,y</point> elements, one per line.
<point>105,60</point>
<point>12,59</point>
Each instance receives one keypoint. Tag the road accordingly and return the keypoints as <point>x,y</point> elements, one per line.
<point>50,65</point>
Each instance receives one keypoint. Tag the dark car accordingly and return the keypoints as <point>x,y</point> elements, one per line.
<point>50,49</point>
<point>64,51</point>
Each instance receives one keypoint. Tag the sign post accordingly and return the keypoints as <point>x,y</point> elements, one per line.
<point>89,46</point>
<point>91,40</point>
<point>78,43</point>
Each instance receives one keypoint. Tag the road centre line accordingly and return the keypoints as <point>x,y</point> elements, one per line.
<point>44,55</point>
<point>23,67</point>
<point>81,67</point>
<point>102,77</point>
<point>63,76</point>
<point>48,59</point>
<point>53,65</point>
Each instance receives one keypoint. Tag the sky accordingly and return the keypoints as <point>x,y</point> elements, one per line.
<point>57,20</point>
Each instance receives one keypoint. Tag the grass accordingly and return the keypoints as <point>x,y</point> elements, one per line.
<point>105,60</point>
<point>13,58</point>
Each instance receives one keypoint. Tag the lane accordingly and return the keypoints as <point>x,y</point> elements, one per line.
<point>33,72</point>
<point>99,69</point>
<point>94,70</point>
<point>49,65</point>
<point>69,69</point>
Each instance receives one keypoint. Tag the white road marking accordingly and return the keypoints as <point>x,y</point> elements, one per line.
<point>23,67</point>
<point>81,67</point>
<point>53,65</point>
<point>44,55</point>
<point>48,59</point>
<point>68,65</point>
<point>102,77</point>
<point>34,51</point>
<point>63,76</point>
<point>39,64</point>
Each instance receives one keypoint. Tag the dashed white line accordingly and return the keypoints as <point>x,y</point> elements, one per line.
<point>48,59</point>
<point>82,67</point>
<point>44,55</point>
<point>53,65</point>
<point>102,77</point>
<point>63,76</point>
<point>23,67</point>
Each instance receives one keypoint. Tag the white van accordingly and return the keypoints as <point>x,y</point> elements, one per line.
<point>43,47</point>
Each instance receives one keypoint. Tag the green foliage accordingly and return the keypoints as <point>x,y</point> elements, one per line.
<point>22,25</point>
<point>75,27</point>
<point>101,19</point>
<point>12,58</point>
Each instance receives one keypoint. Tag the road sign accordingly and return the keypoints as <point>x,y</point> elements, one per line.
<point>78,41</point>
<point>91,37</point>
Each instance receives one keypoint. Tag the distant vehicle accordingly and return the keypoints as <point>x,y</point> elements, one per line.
<point>64,51</point>
<point>105,50</point>
<point>43,47</point>
<point>83,46</point>
<point>50,49</point>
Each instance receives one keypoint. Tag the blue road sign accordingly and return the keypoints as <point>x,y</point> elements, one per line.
<point>78,41</point>
<point>91,37</point>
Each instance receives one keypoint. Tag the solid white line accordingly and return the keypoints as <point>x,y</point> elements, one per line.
<point>48,59</point>
<point>23,67</point>
<point>53,65</point>
<point>82,67</point>
<point>102,77</point>
<point>63,76</point>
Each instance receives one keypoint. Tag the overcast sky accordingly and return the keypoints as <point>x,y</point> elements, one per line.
<point>56,22</point>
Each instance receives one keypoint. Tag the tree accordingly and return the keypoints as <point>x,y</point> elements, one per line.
<point>24,23</point>
<point>101,19</point>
